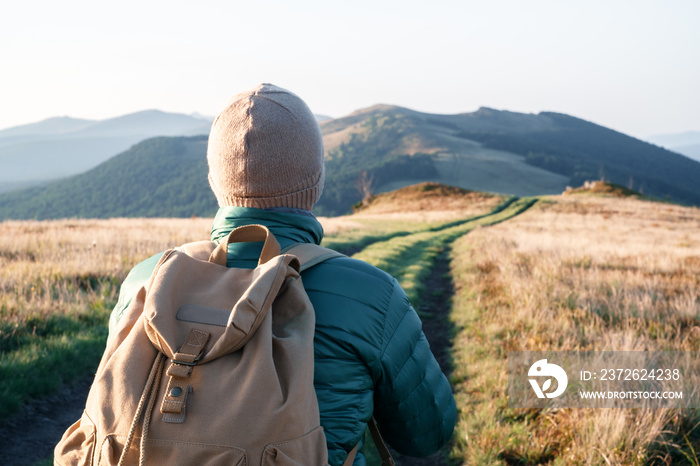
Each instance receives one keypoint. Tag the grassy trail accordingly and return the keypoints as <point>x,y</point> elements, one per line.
<point>420,262</point>
<point>409,258</point>
<point>355,241</point>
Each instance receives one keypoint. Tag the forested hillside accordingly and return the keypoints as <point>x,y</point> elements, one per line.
<point>159,177</point>
<point>376,151</point>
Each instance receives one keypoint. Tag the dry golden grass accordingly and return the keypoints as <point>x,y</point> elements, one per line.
<point>36,257</point>
<point>34,253</point>
<point>615,264</point>
<point>575,273</point>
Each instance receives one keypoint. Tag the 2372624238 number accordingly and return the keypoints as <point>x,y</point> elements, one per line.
<point>640,374</point>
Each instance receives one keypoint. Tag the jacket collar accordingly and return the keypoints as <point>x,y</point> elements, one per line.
<point>287,227</point>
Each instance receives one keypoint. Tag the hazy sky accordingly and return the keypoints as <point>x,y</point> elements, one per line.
<point>631,65</point>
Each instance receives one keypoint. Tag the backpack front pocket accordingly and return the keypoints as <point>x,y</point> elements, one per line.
<point>160,451</point>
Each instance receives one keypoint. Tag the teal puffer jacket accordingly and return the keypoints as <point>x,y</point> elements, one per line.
<point>371,356</point>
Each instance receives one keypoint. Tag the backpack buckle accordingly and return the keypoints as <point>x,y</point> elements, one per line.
<point>174,403</point>
<point>185,363</point>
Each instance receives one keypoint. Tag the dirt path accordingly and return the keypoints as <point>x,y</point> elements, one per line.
<point>30,436</point>
<point>438,302</point>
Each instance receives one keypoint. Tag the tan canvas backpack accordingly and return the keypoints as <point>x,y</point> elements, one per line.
<point>209,366</point>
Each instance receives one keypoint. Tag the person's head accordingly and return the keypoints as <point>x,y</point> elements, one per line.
<point>265,150</point>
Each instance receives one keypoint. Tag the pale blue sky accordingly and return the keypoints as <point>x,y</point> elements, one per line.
<point>631,65</point>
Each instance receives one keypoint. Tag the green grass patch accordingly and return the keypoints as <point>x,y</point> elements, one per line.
<point>375,231</point>
<point>357,239</point>
<point>43,364</point>
<point>379,230</point>
<point>41,353</point>
<point>18,335</point>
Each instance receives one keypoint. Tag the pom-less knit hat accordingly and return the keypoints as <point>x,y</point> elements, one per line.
<point>265,150</point>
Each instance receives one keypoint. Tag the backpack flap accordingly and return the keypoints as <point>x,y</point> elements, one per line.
<point>227,303</point>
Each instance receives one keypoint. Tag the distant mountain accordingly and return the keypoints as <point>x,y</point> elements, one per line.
<point>692,151</point>
<point>383,148</point>
<point>687,143</point>
<point>398,147</point>
<point>147,123</point>
<point>50,126</point>
<point>63,146</point>
<point>668,141</point>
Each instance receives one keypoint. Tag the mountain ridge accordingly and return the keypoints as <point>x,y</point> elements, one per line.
<point>62,146</point>
<point>159,123</point>
<point>389,147</point>
<point>39,152</point>
<point>52,125</point>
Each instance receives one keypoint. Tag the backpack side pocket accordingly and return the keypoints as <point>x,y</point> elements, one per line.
<point>77,446</point>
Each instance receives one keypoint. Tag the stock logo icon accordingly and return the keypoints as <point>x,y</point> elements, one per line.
<point>541,369</point>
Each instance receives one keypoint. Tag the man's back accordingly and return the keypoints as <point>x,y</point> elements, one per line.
<point>371,357</point>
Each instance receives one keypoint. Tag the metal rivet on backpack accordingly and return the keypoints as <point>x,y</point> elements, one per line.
<point>175,392</point>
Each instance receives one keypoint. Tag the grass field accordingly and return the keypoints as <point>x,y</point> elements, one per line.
<point>574,273</point>
<point>556,273</point>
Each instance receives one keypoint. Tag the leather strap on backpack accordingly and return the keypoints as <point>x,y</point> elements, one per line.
<point>175,399</point>
<point>382,449</point>
<point>351,456</point>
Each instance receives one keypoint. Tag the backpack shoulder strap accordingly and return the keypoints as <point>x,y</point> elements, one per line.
<point>311,254</point>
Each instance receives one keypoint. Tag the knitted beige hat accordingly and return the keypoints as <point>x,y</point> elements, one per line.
<point>265,150</point>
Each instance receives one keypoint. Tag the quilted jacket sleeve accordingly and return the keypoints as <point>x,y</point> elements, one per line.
<point>414,406</point>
